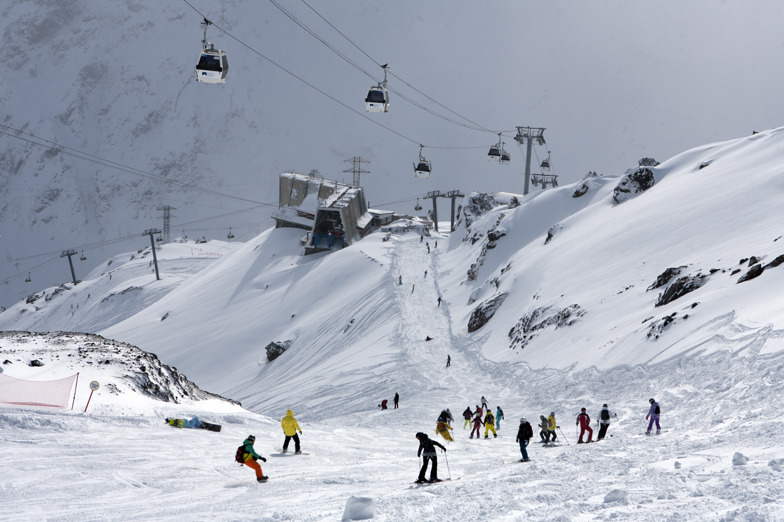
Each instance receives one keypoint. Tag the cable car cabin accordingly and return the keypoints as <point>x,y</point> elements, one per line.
<point>494,153</point>
<point>422,168</point>
<point>504,158</point>
<point>377,99</point>
<point>545,165</point>
<point>212,67</point>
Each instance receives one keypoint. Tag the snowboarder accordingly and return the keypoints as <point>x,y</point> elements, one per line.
<point>397,399</point>
<point>551,426</point>
<point>584,421</point>
<point>467,414</point>
<point>477,425</point>
<point>484,403</point>
<point>544,433</point>
<point>448,360</point>
<point>604,421</point>
<point>524,435</point>
<point>290,429</point>
<point>653,414</point>
<point>489,424</point>
<point>499,414</point>
<point>443,428</point>
<point>383,404</point>
<point>251,456</point>
<point>428,451</point>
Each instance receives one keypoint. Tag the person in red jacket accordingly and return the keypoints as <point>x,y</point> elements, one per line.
<point>584,421</point>
<point>477,425</point>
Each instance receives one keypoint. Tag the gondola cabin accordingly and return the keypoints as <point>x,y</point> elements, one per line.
<point>422,168</point>
<point>213,66</point>
<point>494,153</point>
<point>377,99</point>
<point>545,165</point>
<point>504,158</point>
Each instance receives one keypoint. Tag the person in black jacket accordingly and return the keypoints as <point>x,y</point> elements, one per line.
<point>428,450</point>
<point>524,434</point>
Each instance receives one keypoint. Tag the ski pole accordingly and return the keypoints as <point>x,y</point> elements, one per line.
<point>447,466</point>
<point>562,435</point>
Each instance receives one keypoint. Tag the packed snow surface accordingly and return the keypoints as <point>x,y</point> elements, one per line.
<point>579,327</point>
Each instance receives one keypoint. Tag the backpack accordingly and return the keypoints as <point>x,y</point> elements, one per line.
<point>656,410</point>
<point>240,455</point>
<point>605,414</point>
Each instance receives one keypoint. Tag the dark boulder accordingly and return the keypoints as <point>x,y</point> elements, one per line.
<point>485,311</point>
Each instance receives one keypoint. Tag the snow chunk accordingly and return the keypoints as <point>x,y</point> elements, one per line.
<point>739,459</point>
<point>617,495</point>
<point>359,508</point>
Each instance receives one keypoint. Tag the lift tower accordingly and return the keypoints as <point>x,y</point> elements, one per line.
<point>528,135</point>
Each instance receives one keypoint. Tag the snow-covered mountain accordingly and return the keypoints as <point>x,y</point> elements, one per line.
<point>659,283</point>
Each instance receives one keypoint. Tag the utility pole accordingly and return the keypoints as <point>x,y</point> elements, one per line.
<point>70,253</point>
<point>150,232</point>
<point>356,169</point>
<point>166,221</point>
<point>527,135</point>
<point>453,194</point>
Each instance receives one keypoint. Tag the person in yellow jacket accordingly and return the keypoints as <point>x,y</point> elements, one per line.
<point>290,428</point>
<point>490,424</point>
<point>551,426</point>
<point>442,428</point>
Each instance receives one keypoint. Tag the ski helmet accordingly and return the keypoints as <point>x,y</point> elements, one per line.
<point>604,406</point>
<point>251,438</point>
<point>582,410</point>
<point>652,401</point>
<point>522,419</point>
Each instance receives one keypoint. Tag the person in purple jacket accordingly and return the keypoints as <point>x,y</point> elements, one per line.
<point>653,415</point>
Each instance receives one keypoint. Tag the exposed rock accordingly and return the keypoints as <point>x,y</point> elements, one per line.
<point>276,349</point>
<point>485,311</point>
<point>658,327</point>
<point>666,276</point>
<point>475,206</point>
<point>633,182</point>
<point>647,162</point>
<point>754,271</point>
<point>552,231</point>
<point>35,362</point>
<point>581,191</point>
<point>681,286</point>
<point>522,333</point>
<point>776,262</point>
<point>514,202</point>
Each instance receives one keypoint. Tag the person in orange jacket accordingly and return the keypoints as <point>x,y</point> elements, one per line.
<point>290,429</point>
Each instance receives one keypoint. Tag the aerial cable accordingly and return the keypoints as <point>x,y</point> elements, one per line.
<point>476,126</point>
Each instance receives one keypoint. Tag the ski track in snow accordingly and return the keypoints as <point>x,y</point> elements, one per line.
<point>71,466</point>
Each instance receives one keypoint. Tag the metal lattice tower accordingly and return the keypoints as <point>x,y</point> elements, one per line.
<point>166,221</point>
<point>528,135</point>
<point>356,169</point>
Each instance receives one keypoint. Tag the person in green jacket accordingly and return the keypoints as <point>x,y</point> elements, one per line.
<point>251,456</point>
<point>290,429</point>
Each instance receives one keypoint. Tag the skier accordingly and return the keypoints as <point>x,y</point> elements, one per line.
<point>383,404</point>
<point>290,429</point>
<point>604,421</point>
<point>443,428</point>
<point>544,433</point>
<point>400,279</point>
<point>484,403</point>
<point>477,424</point>
<point>439,300</point>
<point>524,435</point>
<point>397,399</point>
<point>448,360</point>
<point>446,416</point>
<point>251,456</point>
<point>425,274</point>
<point>551,426</point>
<point>489,421</point>
<point>499,414</point>
<point>467,414</point>
<point>428,450</point>
<point>584,421</point>
<point>478,411</point>
<point>653,414</point>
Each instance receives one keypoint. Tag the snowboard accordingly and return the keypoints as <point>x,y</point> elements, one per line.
<point>282,453</point>
<point>210,426</point>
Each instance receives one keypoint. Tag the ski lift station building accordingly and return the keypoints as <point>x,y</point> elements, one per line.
<point>334,214</point>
